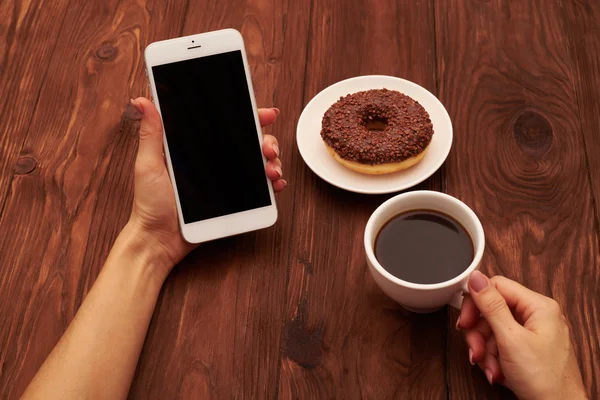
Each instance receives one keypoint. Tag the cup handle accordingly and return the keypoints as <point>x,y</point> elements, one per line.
<point>456,301</point>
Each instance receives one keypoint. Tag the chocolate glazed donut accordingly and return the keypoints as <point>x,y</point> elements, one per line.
<point>377,131</point>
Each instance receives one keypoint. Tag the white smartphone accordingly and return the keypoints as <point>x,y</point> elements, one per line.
<point>202,88</point>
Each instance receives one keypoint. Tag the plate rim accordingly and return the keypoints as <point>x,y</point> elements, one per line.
<point>399,187</point>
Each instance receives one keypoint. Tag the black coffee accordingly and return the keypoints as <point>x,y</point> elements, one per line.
<point>424,246</point>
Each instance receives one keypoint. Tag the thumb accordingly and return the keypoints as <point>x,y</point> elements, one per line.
<point>492,306</point>
<point>150,152</point>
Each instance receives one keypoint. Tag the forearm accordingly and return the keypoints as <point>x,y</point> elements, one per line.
<point>98,354</point>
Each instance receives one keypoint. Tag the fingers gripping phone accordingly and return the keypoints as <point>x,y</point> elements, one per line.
<point>202,88</point>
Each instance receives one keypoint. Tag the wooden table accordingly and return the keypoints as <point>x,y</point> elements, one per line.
<point>292,311</point>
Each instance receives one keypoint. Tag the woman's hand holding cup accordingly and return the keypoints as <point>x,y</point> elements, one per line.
<point>520,339</point>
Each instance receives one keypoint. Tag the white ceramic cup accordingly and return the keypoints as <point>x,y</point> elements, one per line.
<point>419,297</point>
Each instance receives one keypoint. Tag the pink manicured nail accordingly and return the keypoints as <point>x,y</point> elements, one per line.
<point>478,281</point>
<point>471,356</point>
<point>458,323</point>
<point>276,150</point>
<point>276,110</point>
<point>137,105</point>
<point>279,171</point>
<point>489,376</point>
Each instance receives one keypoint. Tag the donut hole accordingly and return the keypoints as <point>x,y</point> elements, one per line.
<point>376,123</point>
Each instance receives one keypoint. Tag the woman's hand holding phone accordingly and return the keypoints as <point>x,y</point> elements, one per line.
<point>154,214</point>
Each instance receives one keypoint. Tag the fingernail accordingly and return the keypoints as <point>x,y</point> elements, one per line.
<point>276,150</point>
<point>478,281</point>
<point>489,376</point>
<point>279,171</point>
<point>458,323</point>
<point>284,182</point>
<point>471,356</point>
<point>137,105</point>
<point>276,110</point>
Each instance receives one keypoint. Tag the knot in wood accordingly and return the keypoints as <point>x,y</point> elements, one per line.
<point>106,52</point>
<point>131,113</point>
<point>25,165</point>
<point>303,344</point>
<point>533,133</point>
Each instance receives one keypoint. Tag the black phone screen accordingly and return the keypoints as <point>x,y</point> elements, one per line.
<point>211,134</point>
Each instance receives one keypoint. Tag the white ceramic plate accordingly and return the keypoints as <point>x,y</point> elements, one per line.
<point>315,155</point>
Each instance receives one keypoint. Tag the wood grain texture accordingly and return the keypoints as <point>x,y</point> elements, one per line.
<point>343,337</point>
<point>519,161</point>
<point>217,327</point>
<point>28,36</point>
<point>582,21</point>
<point>64,216</point>
<point>292,311</point>
<point>581,24</point>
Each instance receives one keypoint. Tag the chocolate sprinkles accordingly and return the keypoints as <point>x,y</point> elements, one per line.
<point>377,126</point>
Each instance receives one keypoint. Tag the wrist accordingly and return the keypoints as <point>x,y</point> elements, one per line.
<point>566,391</point>
<point>143,248</point>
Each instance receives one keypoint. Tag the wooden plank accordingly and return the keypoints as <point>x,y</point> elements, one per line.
<point>582,20</point>
<point>582,23</point>
<point>519,161</point>
<point>27,39</point>
<point>64,216</point>
<point>217,327</point>
<point>343,337</point>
